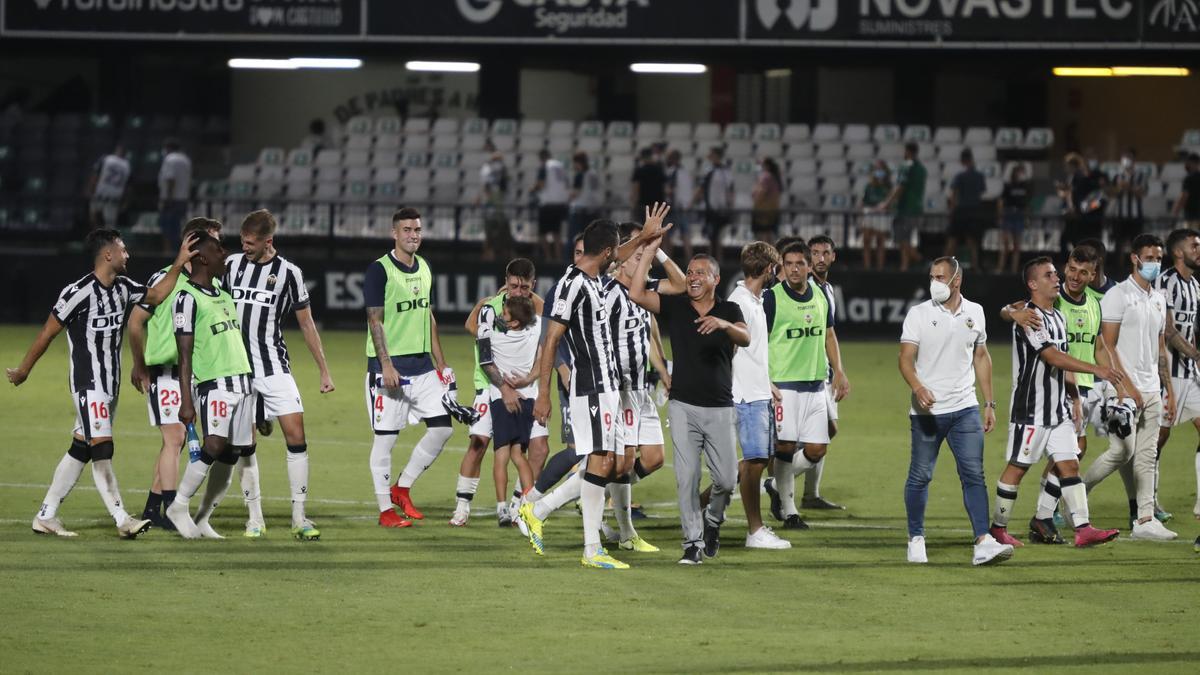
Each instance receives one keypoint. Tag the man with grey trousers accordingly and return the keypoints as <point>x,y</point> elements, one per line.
<point>705,332</point>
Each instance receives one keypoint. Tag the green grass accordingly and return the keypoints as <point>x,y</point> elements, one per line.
<point>434,598</point>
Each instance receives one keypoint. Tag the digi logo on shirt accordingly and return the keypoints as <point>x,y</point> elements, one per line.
<point>107,322</point>
<point>419,303</point>
<point>801,333</point>
<point>221,327</point>
<point>254,296</point>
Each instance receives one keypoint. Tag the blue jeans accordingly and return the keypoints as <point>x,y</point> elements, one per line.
<point>754,429</point>
<point>963,431</point>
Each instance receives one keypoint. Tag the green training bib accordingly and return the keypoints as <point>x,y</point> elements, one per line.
<point>796,345</point>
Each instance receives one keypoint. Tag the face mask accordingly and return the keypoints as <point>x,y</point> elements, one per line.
<point>880,174</point>
<point>1126,162</point>
<point>940,290</point>
<point>1093,163</point>
<point>1149,270</point>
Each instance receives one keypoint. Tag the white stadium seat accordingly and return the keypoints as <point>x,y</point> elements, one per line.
<point>767,131</point>
<point>856,133</point>
<point>533,128</point>
<point>416,125</point>
<point>559,128</point>
<point>796,133</point>
<point>329,157</point>
<point>826,133</point>
<point>831,151</point>
<point>860,151</point>
<point>976,136</point>
<point>678,131</point>
<point>886,133</point>
<point>1038,139</point>
<point>706,132</point>
<point>917,133</point>
<point>649,132</point>
<point>444,126</point>
<point>1008,138</point>
<point>947,136</point>
<point>388,124</point>
<point>737,131</point>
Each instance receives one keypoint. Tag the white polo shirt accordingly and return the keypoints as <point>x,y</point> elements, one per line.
<point>751,378</point>
<point>1143,317</point>
<point>178,168</point>
<point>946,344</point>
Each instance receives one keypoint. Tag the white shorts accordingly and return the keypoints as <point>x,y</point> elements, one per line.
<point>640,418</point>
<point>419,397</point>
<point>163,398</point>
<point>833,404</point>
<point>94,414</point>
<point>1028,444</point>
<point>803,417</point>
<point>483,428</point>
<point>226,414</point>
<point>1186,402</point>
<point>278,395</point>
<point>595,423</point>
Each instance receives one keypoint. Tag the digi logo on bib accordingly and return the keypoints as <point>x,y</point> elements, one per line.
<point>820,15</point>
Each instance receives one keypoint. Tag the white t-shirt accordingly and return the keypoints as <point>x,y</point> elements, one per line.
<point>177,167</point>
<point>751,377</point>
<point>112,174</point>
<point>945,353</point>
<point>718,183</point>
<point>555,188</point>
<point>683,185</point>
<point>514,352</point>
<point>1143,317</point>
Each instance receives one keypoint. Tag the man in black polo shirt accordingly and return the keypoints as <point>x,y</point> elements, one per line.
<point>704,334</point>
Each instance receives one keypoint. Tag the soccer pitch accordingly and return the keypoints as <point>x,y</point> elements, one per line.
<point>434,598</point>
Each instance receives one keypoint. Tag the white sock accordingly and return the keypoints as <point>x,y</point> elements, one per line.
<point>501,508</point>
<point>785,485</point>
<point>564,494</point>
<point>812,480</point>
<point>1048,497</point>
<point>106,483</point>
<point>66,474</point>
<point>219,480</point>
<point>535,494</point>
<point>251,489</point>
<point>297,470</point>
<point>621,494</point>
<point>464,491</point>
<point>189,484</point>
<point>423,456</point>
<point>591,498</point>
<point>802,464</point>
<point>381,469</point>
<point>1075,497</point>
<point>1006,496</point>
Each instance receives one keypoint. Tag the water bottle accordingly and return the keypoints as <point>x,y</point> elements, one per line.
<point>193,444</point>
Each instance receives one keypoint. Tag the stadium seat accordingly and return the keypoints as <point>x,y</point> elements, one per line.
<point>620,146</point>
<point>767,131</point>
<point>384,158</point>
<point>416,126</point>
<point>528,128</point>
<point>826,133</point>
<point>887,134</point>
<point>359,125</point>
<point>560,146</point>
<point>271,156</point>
<point>300,174</point>
<point>242,173</point>
<point>358,173</point>
<point>738,149</point>
<point>772,149</point>
<point>861,167</point>
<point>1038,139</point>
<point>947,136</point>
<point>990,169</point>
<point>504,143</point>
<point>503,127</point>
<point>802,183</point>
<point>1009,138</point>
<point>620,129</point>
<point>474,126</point>
<point>796,133</point>
<point>270,174</point>
<point>445,126</point>
<point>300,157</point>
<point>860,151</point>
<point>976,136</point>
<point>359,142</point>
<point>831,151</point>
<point>355,158</point>
<point>1173,171</point>
<point>835,184</point>
<point>917,133</point>
<point>417,143</point>
<point>677,132</point>
<point>649,132</point>
<point>445,143</point>
<point>590,144</point>
<point>388,125</point>
<point>444,160</point>
<point>856,133</point>
<point>831,167</point>
<point>620,164</point>
<point>414,175</point>
<point>802,167</point>
<point>326,192</point>
<point>388,142</point>
<point>837,202</point>
<point>735,131</point>
<point>994,186</point>
<point>891,152</point>
<point>984,153</point>
<point>590,129</point>
<point>708,133</point>
<point>328,174</point>
<point>329,157</point>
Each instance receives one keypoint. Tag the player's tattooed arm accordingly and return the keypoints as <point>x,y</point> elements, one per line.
<point>391,377</point>
<point>1175,340</point>
<point>42,342</point>
<point>472,323</point>
<point>1026,317</point>
<point>1164,376</point>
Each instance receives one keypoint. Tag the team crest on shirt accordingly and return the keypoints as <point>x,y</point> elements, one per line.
<point>226,310</point>
<point>166,412</point>
<point>271,280</point>
<point>970,322</point>
<point>808,318</point>
<point>1079,322</point>
<point>378,419</point>
<point>416,288</point>
<point>179,320</point>
<point>96,425</point>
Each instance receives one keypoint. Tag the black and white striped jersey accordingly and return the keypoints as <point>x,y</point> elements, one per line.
<point>1182,296</point>
<point>630,326</point>
<point>1039,396</point>
<point>265,294</point>
<point>94,316</point>
<point>578,303</point>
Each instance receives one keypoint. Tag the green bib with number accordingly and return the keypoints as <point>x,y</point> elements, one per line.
<point>218,350</point>
<point>497,304</point>
<point>1083,327</point>
<point>796,345</point>
<point>407,315</point>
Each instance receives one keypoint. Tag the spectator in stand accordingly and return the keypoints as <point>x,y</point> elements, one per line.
<point>587,197</point>
<point>316,138</point>
<point>493,193</point>
<point>965,206</point>
<point>1081,192</point>
<point>876,224</point>
<point>680,189</point>
<point>1012,210</point>
<point>1127,188</point>
<point>715,193</point>
<point>649,183</point>
<point>106,189</point>
<point>553,192</point>
<point>174,190</point>
<point>1188,203</point>
<point>908,196</point>
<point>766,197</point>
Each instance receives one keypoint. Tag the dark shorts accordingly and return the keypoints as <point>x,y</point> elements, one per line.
<point>512,428</point>
<point>965,223</point>
<point>551,217</point>
<point>903,226</point>
<point>1014,223</point>
<point>170,219</point>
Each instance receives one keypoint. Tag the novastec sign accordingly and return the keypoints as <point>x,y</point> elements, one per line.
<point>1011,21</point>
<point>183,17</point>
<point>690,20</point>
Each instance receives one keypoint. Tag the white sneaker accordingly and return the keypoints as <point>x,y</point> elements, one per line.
<point>51,526</point>
<point>460,517</point>
<point>1151,530</point>
<point>178,514</point>
<point>1196,510</point>
<point>132,527</point>
<point>991,552</point>
<point>206,530</point>
<point>765,537</point>
<point>610,535</point>
<point>916,550</point>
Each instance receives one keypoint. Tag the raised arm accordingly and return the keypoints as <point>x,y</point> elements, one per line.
<point>651,228</point>
<point>40,343</point>
<point>163,288</point>
<point>638,292</point>
<point>472,324</point>
<point>139,377</point>
<point>676,281</point>
<point>312,338</point>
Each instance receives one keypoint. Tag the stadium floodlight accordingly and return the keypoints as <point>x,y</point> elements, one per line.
<point>443,66</point>
<point>669,68</point>
<point>1121,71</point>
<point>295,63</point>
